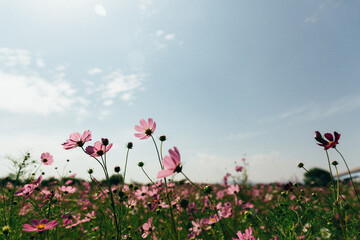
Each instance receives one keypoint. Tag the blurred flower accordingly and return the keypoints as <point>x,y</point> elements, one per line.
<point>28,189</point>
<point>245,236</point>
<point>67,189</point>
<point>238,168</point>
<point>77,140</point>
<point>38,226</point>
<point>171,164</point>
<point>98,149</point>
<point>47,158</point>
<point>330,142</point>
<point>146,129</point>
<point>147,228</point>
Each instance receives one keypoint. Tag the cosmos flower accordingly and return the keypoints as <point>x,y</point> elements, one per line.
<point>98,149</point>
<point>171,164</point>
<point>28,189</point>
<point>146,129</point>
<point>77,140</point>
<point>47,158</point>
<point>39,226</point>
<point>330,142</point>
<point>245,236</point>
<point>238,168</point>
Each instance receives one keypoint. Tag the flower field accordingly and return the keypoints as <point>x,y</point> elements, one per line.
<point>70,208</point>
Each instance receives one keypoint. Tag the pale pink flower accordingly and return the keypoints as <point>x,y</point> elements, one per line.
<point>171,164</point>
<point>47,158</point>
<point>77,140</point>
<point>67,189</point>
<point>245,236</point>
<point>39,226</point>
<point>146,129</point>
<point>147,228</point>
<point>98,149</point>
<point>211,220</point>
<point>233,189</point>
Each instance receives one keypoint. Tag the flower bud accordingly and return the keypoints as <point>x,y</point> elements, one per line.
<point>334,163</point>
<point>129,145</point>
<point>162,138</point>
<point>117,169</point>
<point>105,141</point>
<point>300,165</point>
<point>140,164</point>
<point>90,171</point>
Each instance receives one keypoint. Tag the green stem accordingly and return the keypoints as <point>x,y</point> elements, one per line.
<point>357,196</point>
<point>157,151</point>
<point>127,155</point>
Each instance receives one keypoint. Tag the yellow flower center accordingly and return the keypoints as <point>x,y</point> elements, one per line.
<point>40,226</point>
<point>331,142</point>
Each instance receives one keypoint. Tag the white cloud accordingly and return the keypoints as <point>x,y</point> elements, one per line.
<point>108,102</point>
<point>14,57</point>
<point>60,68</point>
<point>144,4</point>
<point>94,71</point>
<point>40,62</point>
<point>33,94</point>
<point>169,36</point>
<point>117,82</point>
<point>100,10</point>
<point>159,33</point>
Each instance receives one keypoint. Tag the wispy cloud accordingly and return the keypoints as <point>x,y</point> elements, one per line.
<point>311,112</point>
<point>117,83</point>
<point>14,57</point>
<point>311,19</point>
<point>169,36</point>
<point>94,71</point>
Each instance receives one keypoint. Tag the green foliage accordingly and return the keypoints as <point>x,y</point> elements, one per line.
<point>317,176</point>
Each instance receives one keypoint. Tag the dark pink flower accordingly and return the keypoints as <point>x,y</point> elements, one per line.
<point>47,158</point>
<point>77,140</point>
<point>146,129</point>
<point>171,164</point>
<point>98,149</point>
<point>330,142</point>
<point>238,168</point>
<point>39,226</point>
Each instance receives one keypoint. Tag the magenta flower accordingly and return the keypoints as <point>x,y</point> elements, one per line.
<point>146,129</point>
<point>39,226</point>
<point>77,140</point>
<point>47,158</point>
<point>238,168</point>
<point>330,142</point>
<point>171,164</point>
<point>98,149</point>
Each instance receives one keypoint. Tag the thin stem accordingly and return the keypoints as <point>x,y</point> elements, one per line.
<point>147,176</point>
<point>331,175</point>
<point>127,155</point>
<point>357,196</point>
<point>157,151</point>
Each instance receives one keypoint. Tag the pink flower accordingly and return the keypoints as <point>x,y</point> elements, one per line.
<point>147,228</point>
<point>39,226</point>
<point>145,129</point>
<point>47,158</point>
<point>211,220</point>
<point>171,164</point>
<point>238,168</point>
<point>77,140</point>
<point>67,189</point>
<point>28,189</point>
<point>245,236</point>
<point>98,149</point>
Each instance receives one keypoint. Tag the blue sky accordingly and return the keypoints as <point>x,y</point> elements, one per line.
<point>222,79</point>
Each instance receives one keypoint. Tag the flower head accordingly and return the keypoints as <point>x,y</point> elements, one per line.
<point>39,226</point>
<point>47,158</point>
<point>28,189</point>
<point>330,141</point>
<point>171,164</point>
<point>146,129</point>
<point>98,149</point>
<point>238,168</point>
<point>77,140</point>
